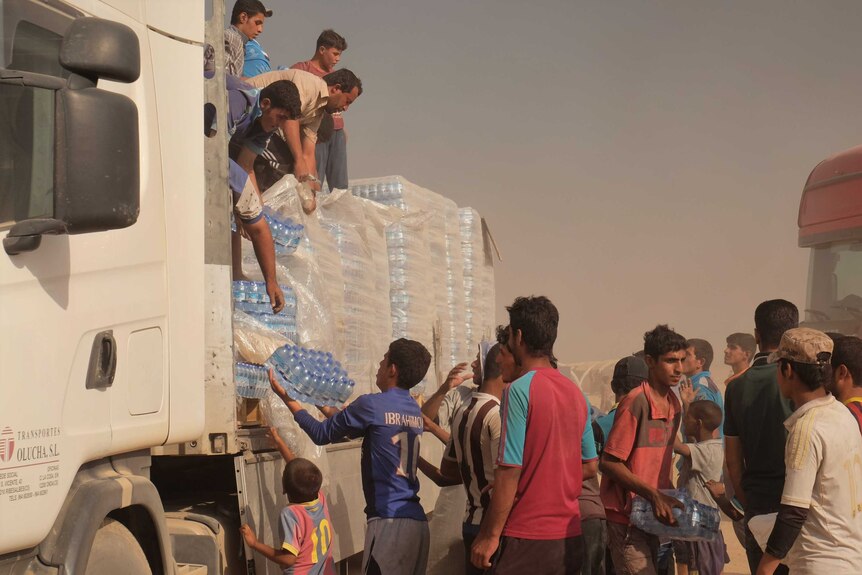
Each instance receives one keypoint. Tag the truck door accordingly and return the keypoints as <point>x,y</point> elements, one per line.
<point>82,273</point>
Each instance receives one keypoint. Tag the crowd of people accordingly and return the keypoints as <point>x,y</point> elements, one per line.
<point>280,121</point>
<point>780,454</point>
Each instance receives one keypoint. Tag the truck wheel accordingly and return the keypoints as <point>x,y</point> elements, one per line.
<point>115,550</point>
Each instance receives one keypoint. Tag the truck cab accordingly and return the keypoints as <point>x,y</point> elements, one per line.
<point>830,223</point>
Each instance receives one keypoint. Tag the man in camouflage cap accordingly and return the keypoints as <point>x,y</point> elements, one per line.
<point>803,345</point>
<point>820,504</point>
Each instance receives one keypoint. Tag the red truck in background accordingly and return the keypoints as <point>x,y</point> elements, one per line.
<point>830,223</point>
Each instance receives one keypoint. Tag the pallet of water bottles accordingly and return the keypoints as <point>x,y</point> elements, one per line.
<point>251,298</point>
<point>308,375</point>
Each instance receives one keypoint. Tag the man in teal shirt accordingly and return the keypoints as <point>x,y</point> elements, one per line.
<point>698,359</point>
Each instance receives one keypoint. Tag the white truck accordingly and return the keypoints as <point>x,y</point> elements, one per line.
<point>121,446</point>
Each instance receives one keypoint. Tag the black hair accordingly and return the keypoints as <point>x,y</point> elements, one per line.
<point>301,480</point>
<point>344,78</point>
<point>411,359</point>
<point>492,368</point>
<point>285,95</point>
<point>772,318</point>
<point>708,412</point>
<point>702,350</point>
<point>249,7</point>
<point>537,319</point>
<point>744,341</point>
<point>502,334</point>
<point>331,39</point>
<point>847,351</point>
<point>813,375</point>
<point>662,340</point>
<point>623,385</point>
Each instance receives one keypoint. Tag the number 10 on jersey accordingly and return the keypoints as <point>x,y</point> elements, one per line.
<point>409,454</point>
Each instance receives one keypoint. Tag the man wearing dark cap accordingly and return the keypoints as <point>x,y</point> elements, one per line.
<point>246,23</point>
<point>629,372</point>
<point>819,522</point>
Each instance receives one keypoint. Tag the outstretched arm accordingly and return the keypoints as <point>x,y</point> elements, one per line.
<point>281,557</point>
<point>681,448</point>
<point>435,429</point>
<point>282,447</point>
<point>261,238</point>
<point>349,422</point>
<point>456,377</point>
<point>436,475</point>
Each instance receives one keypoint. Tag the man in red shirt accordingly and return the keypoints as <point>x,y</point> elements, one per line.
<point>846,383</point>
<point>330,153</point>
<point>638,455</point>
<point>546,450</point>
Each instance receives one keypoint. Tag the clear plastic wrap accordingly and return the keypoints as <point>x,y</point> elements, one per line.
<point>435,268</point>
<point>455,293</point>
<point>472,252</point>
<point>409,276</point>
<point>343,216</point>
<point>253,341</point>
<point>377,218</point>
<point>313,271</point>
<point>389,259</point>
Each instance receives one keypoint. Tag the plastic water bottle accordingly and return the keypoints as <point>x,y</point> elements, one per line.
<point>251,379</point>
<point>695,521</point>
<point>285,232</point>
<point>251,297</point>
<point>313,376</point>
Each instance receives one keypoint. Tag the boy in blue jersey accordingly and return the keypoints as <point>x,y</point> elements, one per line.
<point>304,528</point>
<point>390,423</point>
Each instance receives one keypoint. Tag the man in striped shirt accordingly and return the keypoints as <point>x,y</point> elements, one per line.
<point>471,451</point>
<point>846,384</point>
<point>473,447</point>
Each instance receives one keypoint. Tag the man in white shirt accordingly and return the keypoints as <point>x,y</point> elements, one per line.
<point>819,524</point>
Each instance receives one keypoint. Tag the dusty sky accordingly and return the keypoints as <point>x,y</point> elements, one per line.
<point>638,162</point>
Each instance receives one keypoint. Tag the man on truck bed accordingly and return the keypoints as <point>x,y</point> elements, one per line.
<point>292,148</point>
<point>252,117</point>
<point>397,537</point>
<point>246,23</point>
<point>330,155</point>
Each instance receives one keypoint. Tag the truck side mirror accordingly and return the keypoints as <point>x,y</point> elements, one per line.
<point>96,143</point>
<point>96,48</point>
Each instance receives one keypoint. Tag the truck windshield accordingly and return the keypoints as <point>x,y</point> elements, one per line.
<point>835,283</point>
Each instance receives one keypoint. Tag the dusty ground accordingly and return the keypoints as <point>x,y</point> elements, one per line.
<point>738,564</point>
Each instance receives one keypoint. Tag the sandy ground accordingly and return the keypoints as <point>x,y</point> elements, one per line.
<point>738,564</point>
